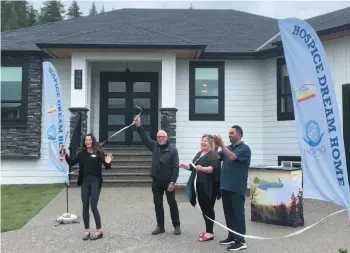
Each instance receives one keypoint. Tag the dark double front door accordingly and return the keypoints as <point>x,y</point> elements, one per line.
<point>120,93</point>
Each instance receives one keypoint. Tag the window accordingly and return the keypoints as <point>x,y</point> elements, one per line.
<point>285,109</point>
<point>13,93</point>
<point>206,91</point>
<point>289,161</point>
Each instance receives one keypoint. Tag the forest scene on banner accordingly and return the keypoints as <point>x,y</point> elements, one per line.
<point>277,197</point>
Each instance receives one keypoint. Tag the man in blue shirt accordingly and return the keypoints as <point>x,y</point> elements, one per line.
<point>233,184</point>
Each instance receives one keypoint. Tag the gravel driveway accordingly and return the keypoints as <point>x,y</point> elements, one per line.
<point>128,219</point>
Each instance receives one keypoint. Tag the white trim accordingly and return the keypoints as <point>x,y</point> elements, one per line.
<point>291,164</point>
<point>82,60</point>
<point>137,56</point>
<point>79,97</point>
<point>168,83</point>
<point>267,42</point>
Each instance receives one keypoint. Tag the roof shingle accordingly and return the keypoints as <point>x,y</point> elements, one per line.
<point>221,30</point>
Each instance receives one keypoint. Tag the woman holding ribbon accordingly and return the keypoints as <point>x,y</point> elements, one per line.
<point>207,171</point>
<point>90,160</point>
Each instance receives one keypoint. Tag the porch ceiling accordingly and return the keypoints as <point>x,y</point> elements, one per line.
<point>334,36</point>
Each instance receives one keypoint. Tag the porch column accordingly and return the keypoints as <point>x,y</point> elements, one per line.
<point>79,95</point>
<point>168,108</point>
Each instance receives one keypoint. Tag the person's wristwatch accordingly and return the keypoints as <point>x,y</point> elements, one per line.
<point>172,183</point>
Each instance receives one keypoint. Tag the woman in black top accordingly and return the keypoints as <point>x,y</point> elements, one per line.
<point>208,184</point>
<point>90,161</point>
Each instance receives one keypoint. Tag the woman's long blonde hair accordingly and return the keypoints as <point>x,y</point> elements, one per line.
<point>210,139</point>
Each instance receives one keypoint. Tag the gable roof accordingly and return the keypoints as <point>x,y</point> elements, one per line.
<point>221,31</point>
<point>331,22</point>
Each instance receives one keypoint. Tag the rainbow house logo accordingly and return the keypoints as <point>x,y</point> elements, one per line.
<point>51,109</point>
<point>305,92</point>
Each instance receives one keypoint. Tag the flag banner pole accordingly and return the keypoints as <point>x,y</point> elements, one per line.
<point>55,130</point>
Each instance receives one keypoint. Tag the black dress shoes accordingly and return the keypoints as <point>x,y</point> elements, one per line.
<point>86,237</point>
<point>96,237</point>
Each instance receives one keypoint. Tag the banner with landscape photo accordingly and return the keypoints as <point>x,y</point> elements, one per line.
<point>277,197</point>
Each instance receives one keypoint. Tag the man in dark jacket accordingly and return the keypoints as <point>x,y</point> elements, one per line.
<point>164,173</point>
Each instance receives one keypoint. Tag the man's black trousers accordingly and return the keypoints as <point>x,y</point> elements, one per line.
<point>158,189</point>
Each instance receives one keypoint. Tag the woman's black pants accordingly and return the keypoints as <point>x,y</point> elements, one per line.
<point>90,192</point>
<point>207,205</point>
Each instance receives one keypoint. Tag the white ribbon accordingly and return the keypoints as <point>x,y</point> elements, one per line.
<point>121,130</point>
<point>254,236</point>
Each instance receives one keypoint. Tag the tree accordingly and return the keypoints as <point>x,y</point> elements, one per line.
<point>32,15</point>
<point>103,9</point>
<point>13,15</point>
<point>282,212</point>
<point>253,194</point>
<point>191,7</point>
<point>93,10</point>
<point>51,12</point>
<point>74,10</point>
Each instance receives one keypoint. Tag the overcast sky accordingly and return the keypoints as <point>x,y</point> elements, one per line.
<point>274,9</point>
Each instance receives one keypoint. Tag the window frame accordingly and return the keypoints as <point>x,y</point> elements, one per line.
<point>282,116</point>
<point>22,121</point>
<point>220,116</point>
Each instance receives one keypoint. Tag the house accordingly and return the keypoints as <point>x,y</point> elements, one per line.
<point>192,72</point>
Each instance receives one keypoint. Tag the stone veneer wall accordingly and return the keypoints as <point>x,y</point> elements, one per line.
<point>168,123</point>
<point>18,142</point>
<point>74,117</point>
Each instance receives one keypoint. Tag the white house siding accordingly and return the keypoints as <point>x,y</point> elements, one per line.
<point>250,101</point>
<point>280,137</point>
<point>97,67</point>
<point>30,171</point>
<point>243,106</point>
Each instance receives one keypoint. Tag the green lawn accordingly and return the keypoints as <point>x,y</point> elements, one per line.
<point>20,203</point>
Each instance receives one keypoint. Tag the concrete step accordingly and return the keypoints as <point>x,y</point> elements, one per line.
<point>131,152</point>
<point>121,176</point>
<point>125,147</point>
<point>125,168</point>
<point>125,163</point>
<point>130,169</point>
<point>121,183</point>
<point>132,156</point>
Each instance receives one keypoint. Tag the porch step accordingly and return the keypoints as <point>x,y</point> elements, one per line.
<point>126,163</point>
<point>122,176</point>
<point>124,147</point>
<point>121,183</point>
<point>131,167</point>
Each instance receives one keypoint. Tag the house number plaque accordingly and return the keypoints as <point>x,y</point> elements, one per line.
<point>78,79</point>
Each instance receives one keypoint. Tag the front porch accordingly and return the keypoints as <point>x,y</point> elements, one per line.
<point>116,89</point>
<point>105,89</point>
<point>111,85</point>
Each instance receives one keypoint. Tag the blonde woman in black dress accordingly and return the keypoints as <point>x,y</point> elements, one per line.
<point>208,184</point>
